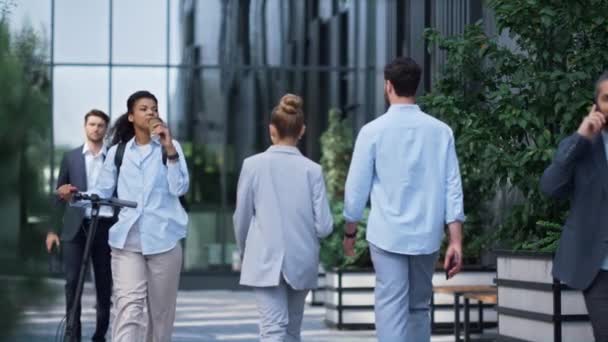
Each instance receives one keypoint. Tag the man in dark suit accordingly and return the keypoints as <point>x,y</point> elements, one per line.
<point>579,173</point>
<point>81,167</point>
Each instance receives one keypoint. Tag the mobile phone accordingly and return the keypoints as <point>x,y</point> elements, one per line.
<point>447,270</point>
<point>597,109</point>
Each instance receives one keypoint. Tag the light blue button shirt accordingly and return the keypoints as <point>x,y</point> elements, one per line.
<point>407,160</point>
<point>155,187</point>
<point>605,137</point>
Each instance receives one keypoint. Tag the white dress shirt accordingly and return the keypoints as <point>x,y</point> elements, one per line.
<point>93,164</point>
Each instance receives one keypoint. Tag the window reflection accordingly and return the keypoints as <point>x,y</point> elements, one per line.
<point>76,90</point>
<point>127,80</point>
<point>81,31</point>
<point>139,31</point>
<point>35,14</point>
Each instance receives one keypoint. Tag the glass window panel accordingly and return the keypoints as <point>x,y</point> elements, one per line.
<point>76,90</point>
<point>81,31</point>
<point>200,115</point>
<point>203,249</point>
<point>139,31</point>
<point>326,9</point>
<point>35,14</point>
<point>178,25</point>
<point>207,31</point>
<point>127,80</point>
<point>176,102</point>
<point>198,121</point>
<point>274,46</point>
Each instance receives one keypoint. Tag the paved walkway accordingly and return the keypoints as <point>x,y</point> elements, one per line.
<point>209,316</point>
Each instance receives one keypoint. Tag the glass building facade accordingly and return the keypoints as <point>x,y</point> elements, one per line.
<point>218,67</point>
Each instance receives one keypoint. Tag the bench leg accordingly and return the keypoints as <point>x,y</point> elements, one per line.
<point>467,321</point>
<point>480,306</point>
<point>457,317</point>
<point>432,312</point>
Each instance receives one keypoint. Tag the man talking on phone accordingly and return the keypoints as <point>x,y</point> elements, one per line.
<point>407,160</point>
<point>579,173</point>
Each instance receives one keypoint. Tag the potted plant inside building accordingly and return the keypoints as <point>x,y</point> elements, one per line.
<point>510,100</point>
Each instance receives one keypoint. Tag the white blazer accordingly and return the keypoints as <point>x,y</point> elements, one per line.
<point>281,213</point>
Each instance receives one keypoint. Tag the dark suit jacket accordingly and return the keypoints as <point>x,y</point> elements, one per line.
<point>72,171</point>
<point>579,173</point>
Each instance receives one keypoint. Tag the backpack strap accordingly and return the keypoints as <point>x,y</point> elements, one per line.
<point>164,156</point>
<point>120,153</point>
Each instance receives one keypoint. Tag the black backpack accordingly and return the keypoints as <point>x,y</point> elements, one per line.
<point>120,152</point>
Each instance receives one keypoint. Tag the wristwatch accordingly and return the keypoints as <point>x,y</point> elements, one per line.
<point>351,235</point>
<point>173,157</point>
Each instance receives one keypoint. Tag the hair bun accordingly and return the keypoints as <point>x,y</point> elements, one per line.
<point>291,104</point>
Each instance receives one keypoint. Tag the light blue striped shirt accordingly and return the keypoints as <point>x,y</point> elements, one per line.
<point>155,187</point>
<point>407,160</point>
<point>605,137</point>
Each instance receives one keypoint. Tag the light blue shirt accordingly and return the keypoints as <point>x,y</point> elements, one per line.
<point>605,137</point>
<point>155,187</point>
<point>407,160</point>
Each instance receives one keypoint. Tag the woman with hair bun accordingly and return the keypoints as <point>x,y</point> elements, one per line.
<point>281,213</point>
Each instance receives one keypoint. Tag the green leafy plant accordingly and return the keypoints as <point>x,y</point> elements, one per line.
<point>336,151</point>
<point>510,106</point>
<point>549,242</point>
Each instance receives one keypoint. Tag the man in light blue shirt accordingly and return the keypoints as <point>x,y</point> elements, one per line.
<point>407,160</point>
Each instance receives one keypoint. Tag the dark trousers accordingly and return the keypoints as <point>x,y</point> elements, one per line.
<point>596,299</point>
<point>73,253</point>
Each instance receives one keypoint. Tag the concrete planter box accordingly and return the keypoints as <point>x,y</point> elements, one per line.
<point>535,307</point>
<point>349,299</point>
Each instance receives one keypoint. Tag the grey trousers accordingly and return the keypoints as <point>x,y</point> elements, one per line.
<point>596,299</point>
<point>140,280</point>
<point>404,286</point>
<point>281,311</point>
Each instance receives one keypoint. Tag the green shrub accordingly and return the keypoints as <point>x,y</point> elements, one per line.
<point>509,107</point>
<point>336,151</point>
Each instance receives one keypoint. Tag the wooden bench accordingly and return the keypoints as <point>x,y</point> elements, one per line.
<point>458,291</point>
